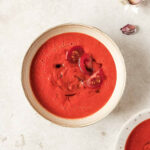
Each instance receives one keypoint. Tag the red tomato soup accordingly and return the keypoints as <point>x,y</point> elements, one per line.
<point>139,139</point>
<point>73,75</point>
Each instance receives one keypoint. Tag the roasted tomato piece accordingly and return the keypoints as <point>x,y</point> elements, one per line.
<point>96,79</point>
<point>74,54</point>
<point>86,64</point>
<point>147,146</point>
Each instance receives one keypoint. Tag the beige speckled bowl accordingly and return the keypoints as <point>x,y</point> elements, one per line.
<point>129,126</point>
<point>120,66</point>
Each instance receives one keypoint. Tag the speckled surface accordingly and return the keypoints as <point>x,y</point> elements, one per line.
<point>129,126</point>
<point>21,21</point>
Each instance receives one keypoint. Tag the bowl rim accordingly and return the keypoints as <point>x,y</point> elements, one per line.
<point>129,126</point>
<point>79,119</point>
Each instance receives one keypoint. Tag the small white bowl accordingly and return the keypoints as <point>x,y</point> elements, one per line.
<point>120,67</point>
<point>129,126</point>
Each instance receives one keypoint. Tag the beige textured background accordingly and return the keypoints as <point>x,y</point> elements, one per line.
<point>21,21</point>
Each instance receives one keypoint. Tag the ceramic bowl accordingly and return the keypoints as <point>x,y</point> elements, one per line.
<point>129,126</point>
<point>113,49</point>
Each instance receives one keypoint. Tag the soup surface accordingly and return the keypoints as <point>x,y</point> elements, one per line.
<point>73,75</point>
<point>139,139</point>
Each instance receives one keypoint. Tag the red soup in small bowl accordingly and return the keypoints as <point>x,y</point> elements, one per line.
<point>135,134</point>
<point>73,75</point>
